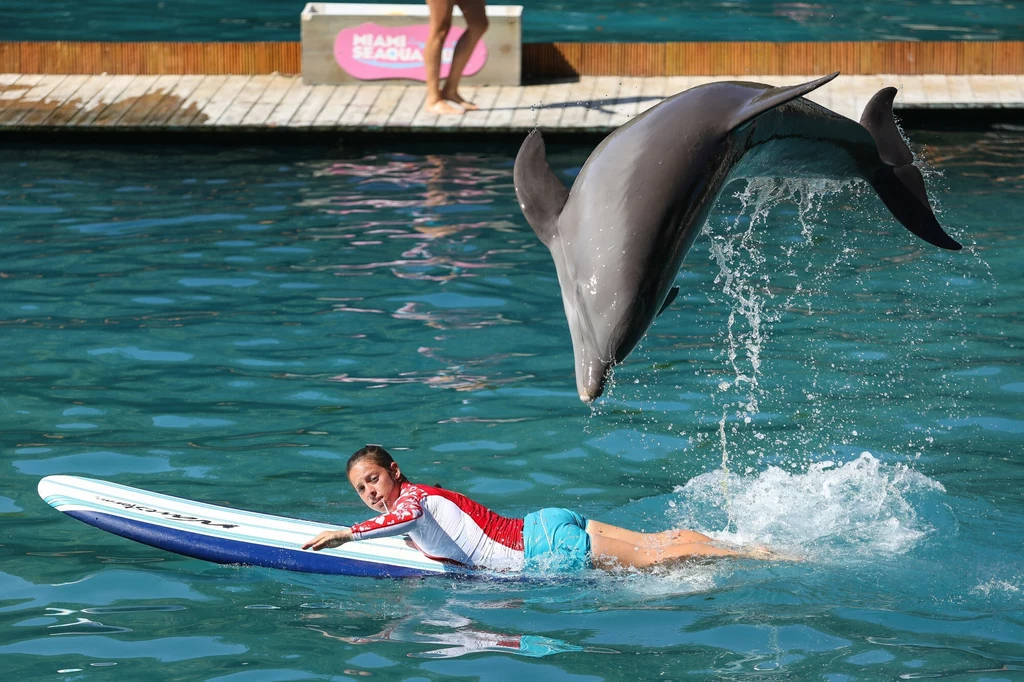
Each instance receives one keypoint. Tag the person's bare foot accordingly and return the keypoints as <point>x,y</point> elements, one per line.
<point>443,107</point>
<point>762,553</point>
<point>464,103</point>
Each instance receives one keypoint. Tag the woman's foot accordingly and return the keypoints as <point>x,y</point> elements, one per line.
<point>456,98</point>
<point>443,107</point>
<point>762,553</point>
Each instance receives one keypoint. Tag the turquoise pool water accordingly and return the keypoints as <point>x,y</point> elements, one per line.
<point>543,20</point>
<point>229,324</point>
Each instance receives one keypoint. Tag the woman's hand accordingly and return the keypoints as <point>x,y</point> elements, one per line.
<point>329,538</point>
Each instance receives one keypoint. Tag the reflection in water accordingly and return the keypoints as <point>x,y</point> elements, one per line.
<point>452,376</point>
<point>432,193</point>
<point>437,201</point>
<point>457,636</point>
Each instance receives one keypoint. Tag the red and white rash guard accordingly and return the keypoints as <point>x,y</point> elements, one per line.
<point>449,526</point>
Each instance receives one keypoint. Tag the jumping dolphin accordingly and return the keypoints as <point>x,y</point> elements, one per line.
<point>620,235</point>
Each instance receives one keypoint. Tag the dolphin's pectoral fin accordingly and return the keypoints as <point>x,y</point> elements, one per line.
<point>899,183</point>
<point>668,300</point>
<point>773,97</point>
<point>540,193</point>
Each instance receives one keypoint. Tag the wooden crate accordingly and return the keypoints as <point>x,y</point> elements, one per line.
<point>346,43</point>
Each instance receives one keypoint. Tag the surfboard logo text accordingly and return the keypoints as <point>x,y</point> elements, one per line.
<point>166,514</point>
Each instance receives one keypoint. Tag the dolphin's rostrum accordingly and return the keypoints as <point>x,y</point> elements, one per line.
<point>619,236</point>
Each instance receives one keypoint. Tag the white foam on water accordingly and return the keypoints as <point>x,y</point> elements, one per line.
<point>997,586</point>
<point>863,507</point>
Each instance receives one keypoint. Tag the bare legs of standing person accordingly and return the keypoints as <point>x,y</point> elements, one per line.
<point>442,100</point>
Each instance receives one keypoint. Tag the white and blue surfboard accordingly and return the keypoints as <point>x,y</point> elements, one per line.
<point>229,536</point>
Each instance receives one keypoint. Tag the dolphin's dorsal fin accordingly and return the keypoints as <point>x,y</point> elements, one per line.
<point>878,120</point>
<point>773,97</point>
<point>540,193</point>
<point>668,300</point>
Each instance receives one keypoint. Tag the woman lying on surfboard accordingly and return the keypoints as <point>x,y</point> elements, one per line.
<point>448,526</point>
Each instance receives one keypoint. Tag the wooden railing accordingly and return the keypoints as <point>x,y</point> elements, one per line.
<point>735,58</point>
<point>150,58</point>
<point>544,60</point>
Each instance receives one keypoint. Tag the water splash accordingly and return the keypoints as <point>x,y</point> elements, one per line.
<point>743,276</point>
<point>750,279</point>
<point>862,507</point>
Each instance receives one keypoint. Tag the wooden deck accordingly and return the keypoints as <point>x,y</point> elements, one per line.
<point>267,102</point>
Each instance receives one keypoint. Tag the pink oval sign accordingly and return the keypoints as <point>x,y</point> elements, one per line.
<point>372,52</point>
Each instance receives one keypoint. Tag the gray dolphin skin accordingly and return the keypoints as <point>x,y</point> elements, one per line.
<point>619,236</point>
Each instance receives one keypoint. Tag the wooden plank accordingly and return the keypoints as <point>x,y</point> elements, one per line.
<point>61,94</point>
<point>289,104</point>
<point>149,99</point>
<point>864,89</point>
<point>60,116</point>
<point>424,119</point>
<point>174,101</point>
<point>960,91</point>
<point>627,100</point>
<point>127,99</point>
<point>98,102</point>
<point>453,121</point>
<point>268,101</point>
<point>192,100</point>
<point>579,97</point>
<point>190,112</point>
<point>17,89</point>
<point>31,100</point>
<point>240,105</point>
<point>484,98</point>
<point>1020,88</point>
<point>531,103</point>
<point>676,84</point>
<point>1002,91</point>
<point>651,94</point>
<point>220,101</point>
<point>556,101</point>
<point>788,80</point>
<point>383,106</point>
<point>407,108</point>
<point>844,96</point>
<point>936,88</point>
<point>630,96</point>
<point>314,103</point>
<point>504,107</point>
<point>360,105</point>
<point>912,92</point>
<point>599,113</point>
<point>335,107</point>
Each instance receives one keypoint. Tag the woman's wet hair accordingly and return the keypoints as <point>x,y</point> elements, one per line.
<point>375,454</point>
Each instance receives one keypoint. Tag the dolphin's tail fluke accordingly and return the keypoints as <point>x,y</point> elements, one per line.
<point>898,182</point>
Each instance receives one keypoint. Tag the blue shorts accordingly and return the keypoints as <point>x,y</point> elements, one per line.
<point>556,540</point>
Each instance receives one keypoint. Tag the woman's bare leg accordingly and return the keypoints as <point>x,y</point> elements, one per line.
<point>667,537</point>
<point>609,553</point>
<point>475,13</point>
<point>440,24</point>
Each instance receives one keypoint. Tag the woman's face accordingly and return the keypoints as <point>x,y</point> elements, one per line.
<point>377,486</point>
